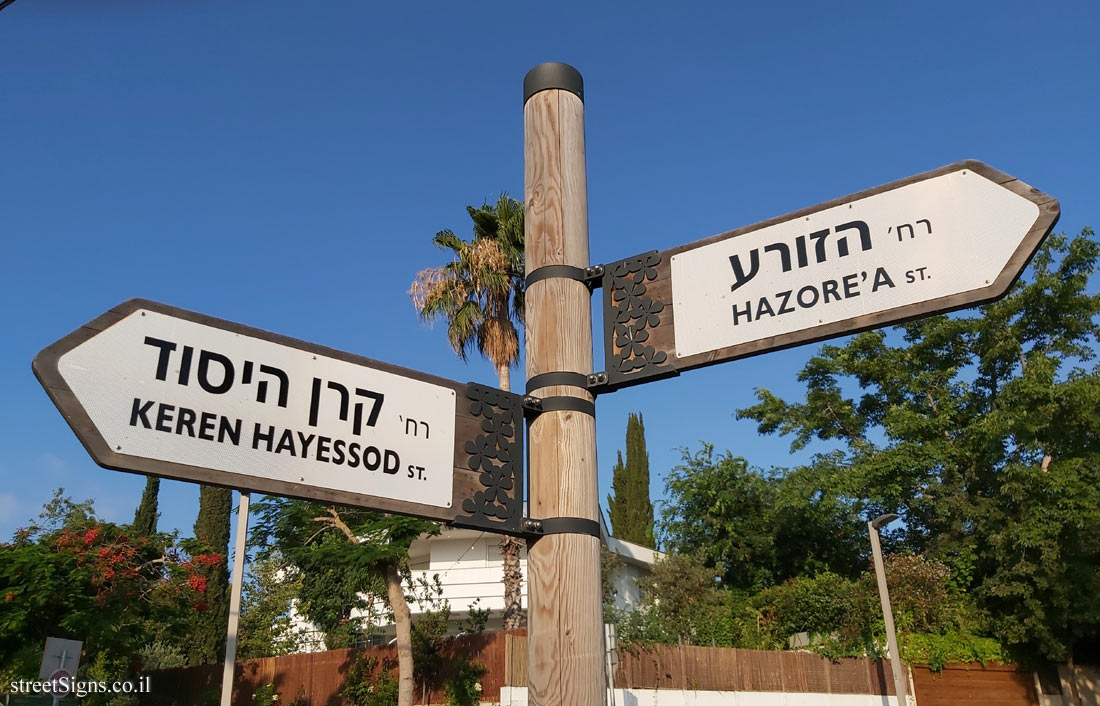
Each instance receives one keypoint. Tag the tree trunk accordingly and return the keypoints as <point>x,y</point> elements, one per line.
<point>402,620</point>
<point>509,552</point>
<point>1075,694</point>
<point>513,581</point>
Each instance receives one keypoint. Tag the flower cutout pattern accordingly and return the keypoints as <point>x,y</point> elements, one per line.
<point>634,314</point>
<point>497,453</point>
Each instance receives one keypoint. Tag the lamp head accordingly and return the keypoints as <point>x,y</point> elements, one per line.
<point>881,520</point>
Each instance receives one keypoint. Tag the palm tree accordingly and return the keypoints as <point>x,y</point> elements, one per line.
<point>480,296</point>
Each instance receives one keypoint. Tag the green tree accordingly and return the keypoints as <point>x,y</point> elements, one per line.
<point>429,632</point>
<point>920,595</point>
<point>479,294</point>
<point>817,605</point>
<point>206,642</point>
<point>815,528</point>
<point>681,602</point>
<point>146,515</point>
<point>266,629</point>
<point>936,621</point>
<point>629,506</point>
<point>764,528</point>
<point>717,509</point>
<point>71,574</point>
<point>345,557</point>
<point>610,565</point>
<point>1041,565</point>
<point>980,429</point>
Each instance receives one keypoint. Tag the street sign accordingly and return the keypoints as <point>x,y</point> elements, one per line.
<point>161,391</point>
<point>61,682</point>
<point>935,242</point>
<point>60,658</point>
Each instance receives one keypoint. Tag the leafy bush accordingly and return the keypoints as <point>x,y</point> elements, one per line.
<point>362,687</point>
<point>844,618</point>
<point>920,597</point>
<point>681,602</point>
<point>161,654</point>
<point>817,605</point>
<point>464,686</point>
<point>938,650</point>
<point>265,695</point>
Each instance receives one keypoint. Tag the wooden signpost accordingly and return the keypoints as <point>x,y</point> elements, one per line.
<point>152,389</point>
<point>939,241</point>
<point>565,616</point>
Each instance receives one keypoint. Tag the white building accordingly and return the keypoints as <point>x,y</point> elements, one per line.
<point>470,569</point>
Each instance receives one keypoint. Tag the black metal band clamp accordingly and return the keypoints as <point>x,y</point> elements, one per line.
<point>534,406</point>
<point>590,277</point>
<point>536,529</point>
<point>585,382</point>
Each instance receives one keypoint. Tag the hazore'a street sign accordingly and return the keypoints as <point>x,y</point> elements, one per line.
<point>162,391</point>
<point>939,241</point>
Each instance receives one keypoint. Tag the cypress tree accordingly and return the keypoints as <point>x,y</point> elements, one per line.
<point>629,507</point>
<point>208,626</point>
<point>145,519</point>
<point>616,502</point>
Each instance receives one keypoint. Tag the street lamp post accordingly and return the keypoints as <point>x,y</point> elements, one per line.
<point>887,615</point>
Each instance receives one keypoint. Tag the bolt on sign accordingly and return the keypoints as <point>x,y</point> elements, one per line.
<point>162,391</point>
<point>935,242</point>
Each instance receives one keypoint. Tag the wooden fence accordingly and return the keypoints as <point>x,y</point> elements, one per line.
<point>320,676</point>
<point>975,683</point>
<point>728,669</point>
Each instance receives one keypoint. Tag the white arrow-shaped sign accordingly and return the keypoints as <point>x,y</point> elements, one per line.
<point>924,241</point>
<point>158,390</point>
<point>950,238</point>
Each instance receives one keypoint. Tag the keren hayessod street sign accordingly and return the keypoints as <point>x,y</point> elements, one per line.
<point>161,391</point>
<point>938,241</point>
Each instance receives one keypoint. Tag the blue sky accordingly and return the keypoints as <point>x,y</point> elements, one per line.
<point>284,165</point>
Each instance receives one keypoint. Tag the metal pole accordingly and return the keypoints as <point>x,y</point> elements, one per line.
<point>235,600</point>
<point>611,642</point>
<point>888,617</point>
<point>565,665</point>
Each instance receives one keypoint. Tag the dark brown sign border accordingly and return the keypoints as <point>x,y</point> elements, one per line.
<point>479,497</point>
<point>638,314</point>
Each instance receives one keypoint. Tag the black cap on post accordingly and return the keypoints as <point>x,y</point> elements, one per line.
<point>553,74</point>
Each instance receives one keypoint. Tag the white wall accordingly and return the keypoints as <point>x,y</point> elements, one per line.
<point>517,696</point>
<point>627,594</point>
<point>469,567</point>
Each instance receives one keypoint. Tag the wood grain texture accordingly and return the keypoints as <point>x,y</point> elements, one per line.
<point>542,213</point>
<point>565,649</point>
<point>974,683</point>
<point>321,675</point>
<point>662,337</point>
<point>728,669</point>
<point>574,186</point>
